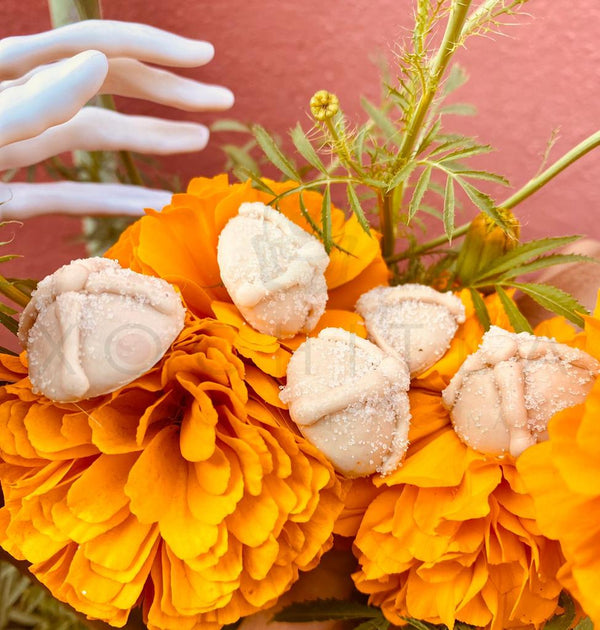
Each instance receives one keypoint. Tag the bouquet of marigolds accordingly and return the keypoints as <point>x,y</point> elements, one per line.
<point>271,400</point>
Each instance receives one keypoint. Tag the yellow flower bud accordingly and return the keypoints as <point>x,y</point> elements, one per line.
<point>324,105</point>
<point>485,241</point>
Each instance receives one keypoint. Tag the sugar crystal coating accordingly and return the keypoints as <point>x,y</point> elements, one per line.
<point>349,399</point>
<point>273,271</point>
<point>503,396</point>
<point>92,327</point>
<point>411,321</point>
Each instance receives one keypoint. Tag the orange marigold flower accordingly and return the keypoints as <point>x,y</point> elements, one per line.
<point>563,476</point>
<point>179,244</point>
<point>185,489</point>
<point>451,534</point>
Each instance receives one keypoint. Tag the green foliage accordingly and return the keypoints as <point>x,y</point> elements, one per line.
<point>564,620</point>
<point>328,609</point>
<point>25,605</point>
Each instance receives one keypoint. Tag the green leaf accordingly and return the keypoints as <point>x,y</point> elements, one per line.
<point>228,124</point>
<point>585,624</point>
<point>548,261</point>
<point>420,625</point>
<point>326,609</point>
<point>480,309</point>
<point>373,624</point>
<point>429,137</point>
<point>419,192</point>
<point>382,121</point>
<point>306,149</point>
<point>449,208</point>
<point>515,317</point>
<point>484,202</point>
<point>451,142</point>
<point>9,322</point>
<point>563,621</point>
<point>8,257</point>
<point>485,175</point>
<point>554,299</point>
<point>242,158</point>
<point>402,175</point>
<point>243,174</point>
<point>308,218</point>
<point>326,220</point>
<point>274,153</point>
<point>357,209</point>
<point>524,253</point>
<point>459,109</point>
<point>457,77</point>
<point>466,152</point>
<point>359,143</point>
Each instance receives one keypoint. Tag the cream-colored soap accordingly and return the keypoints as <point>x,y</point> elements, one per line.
<point>350,400</point>
<point>503,396</point>
<point>411,321</point>
<point>92,327</point>
<point>273,271</point>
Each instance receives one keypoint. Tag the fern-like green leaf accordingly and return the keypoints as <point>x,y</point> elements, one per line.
<point>547,261</point>
<point>449,208</point>
<point>517,320</point>
<point>480,309</point>
<point>419,192</point>
<point>306,149</point>
<point>456,78</point>
<point>382,121</point>
<point>402,175</point>
<point>523,254</point>
<point>459,109</point>
<point>229,125</point>
<point>325,610</point>
<point>274,153</point>
<point>554,300</point>
<point>305,213</point>
<point>357,208</point>
<point>462,153</point>
<point>326,220</point>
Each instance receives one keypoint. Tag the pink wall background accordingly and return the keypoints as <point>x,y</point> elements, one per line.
<point>275,54</point>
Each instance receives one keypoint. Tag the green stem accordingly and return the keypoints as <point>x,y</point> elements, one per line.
<point>450,41</point>
<point>386,220</point>
<point>516,198</point>
<point>448,47</point>
<point>11,292</point>
<point>552,171</point>
<point>341,149</point>
<point>425,247</point>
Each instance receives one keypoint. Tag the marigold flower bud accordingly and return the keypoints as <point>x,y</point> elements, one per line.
<point>324,105</point>
<point>485,241</point>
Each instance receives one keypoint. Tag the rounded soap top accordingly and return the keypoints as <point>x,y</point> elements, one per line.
<point>411,321</point>
<point>503,396</point>
<point>273,270</point>
<point>92,327</point>
<point>350,400</point>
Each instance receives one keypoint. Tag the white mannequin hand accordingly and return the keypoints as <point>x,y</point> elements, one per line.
<point>42,114</point>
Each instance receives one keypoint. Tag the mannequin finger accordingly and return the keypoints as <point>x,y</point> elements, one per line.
<point>20,54</point>
<point>21,201</point>
<point>128,77</point>
<point>51,96</point>
<point>97,129</point>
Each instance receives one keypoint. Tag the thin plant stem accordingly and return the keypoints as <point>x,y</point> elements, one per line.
<point>552,171</point>
<point>516,198</point>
